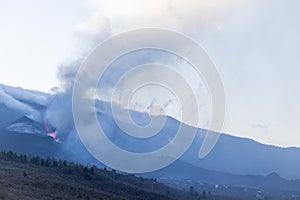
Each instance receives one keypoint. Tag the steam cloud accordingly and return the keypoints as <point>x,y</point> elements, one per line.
<point>215,24</point>
<point>194,18</point>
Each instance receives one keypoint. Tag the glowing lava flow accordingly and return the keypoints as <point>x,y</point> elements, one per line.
<point>54,136</point>
<point>51,134</point>
<point>46,127</point>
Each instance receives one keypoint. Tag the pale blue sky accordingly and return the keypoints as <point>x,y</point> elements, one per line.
<point>255,45</point>
<point>36,36</point>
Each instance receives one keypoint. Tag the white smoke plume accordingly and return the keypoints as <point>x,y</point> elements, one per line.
<point>192,17</point>
<point>248,40</point>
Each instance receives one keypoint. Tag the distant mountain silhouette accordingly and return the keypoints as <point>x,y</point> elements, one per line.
<point>233,161</point>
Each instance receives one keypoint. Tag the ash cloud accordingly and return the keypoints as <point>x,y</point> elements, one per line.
<point>253,43</point>
<point>107,18</point>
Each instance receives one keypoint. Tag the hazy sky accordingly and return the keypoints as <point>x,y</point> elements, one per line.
<point>36,36</point>
<point>254,43</point>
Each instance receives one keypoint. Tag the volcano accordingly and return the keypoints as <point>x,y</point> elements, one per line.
<point>25,128</point>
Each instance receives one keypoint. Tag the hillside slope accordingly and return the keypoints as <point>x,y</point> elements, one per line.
<point>37,178</point>
<point>231,154</point>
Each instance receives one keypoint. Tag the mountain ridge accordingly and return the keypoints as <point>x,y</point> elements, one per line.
<point>231,154</point>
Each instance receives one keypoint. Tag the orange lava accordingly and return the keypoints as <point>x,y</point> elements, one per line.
<point>54,136</point>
